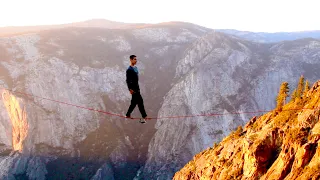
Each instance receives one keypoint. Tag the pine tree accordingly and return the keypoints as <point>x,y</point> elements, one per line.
<point>283,94</point>
<point>297,93</point>
<point>294,95</point>
<point>306,88</point>
<point>300,87</point>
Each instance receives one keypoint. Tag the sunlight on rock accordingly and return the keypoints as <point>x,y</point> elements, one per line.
<point>18,119</point>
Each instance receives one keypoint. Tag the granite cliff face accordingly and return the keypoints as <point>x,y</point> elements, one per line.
<point>277,145</point>
<point>185,69</point>
<point>84,67</point>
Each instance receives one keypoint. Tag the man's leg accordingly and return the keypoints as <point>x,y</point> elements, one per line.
<point>141,106</point>
<point>132,105</point>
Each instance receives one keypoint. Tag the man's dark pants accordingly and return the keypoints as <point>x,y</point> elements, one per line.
<point>137,99</point>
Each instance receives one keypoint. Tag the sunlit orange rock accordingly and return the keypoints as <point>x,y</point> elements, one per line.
<point>275,146</point>
<point>18,119</point>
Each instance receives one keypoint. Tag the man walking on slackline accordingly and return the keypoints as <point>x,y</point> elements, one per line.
<point>132,80</point>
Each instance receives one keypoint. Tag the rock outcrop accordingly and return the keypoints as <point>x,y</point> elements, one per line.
<point>277,145</point>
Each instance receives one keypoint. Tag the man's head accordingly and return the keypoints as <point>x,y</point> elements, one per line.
<point>133,60</point>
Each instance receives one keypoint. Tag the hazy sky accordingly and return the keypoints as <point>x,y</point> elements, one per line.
<point>251,15</point>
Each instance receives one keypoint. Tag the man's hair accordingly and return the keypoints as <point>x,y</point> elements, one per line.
<point>132,57</point>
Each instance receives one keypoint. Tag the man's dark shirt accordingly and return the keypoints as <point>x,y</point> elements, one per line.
<point>132,78</point>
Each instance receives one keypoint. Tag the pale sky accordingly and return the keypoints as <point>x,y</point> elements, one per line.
<point>250,15</point>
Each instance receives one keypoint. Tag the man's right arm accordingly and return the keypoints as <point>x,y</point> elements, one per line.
<point>129,79</point>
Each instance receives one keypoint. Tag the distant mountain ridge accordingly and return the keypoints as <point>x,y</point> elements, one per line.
<point>262,37</point>
<point>93,23</point>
